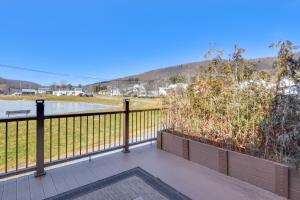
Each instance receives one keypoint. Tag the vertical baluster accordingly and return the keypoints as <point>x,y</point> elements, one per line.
<point>99,132</point>
<point>141,126</point>
<point>120,124</point>
<point>132,127</point>
<point>93,133</point>
<point>144,125</point>
<point>17,144</point>
<point>157,124</point>
<point>80,135</point>
<point>26,143</point>
<point>109,130</point>
<point>115,132</point>
<point>50,135</point>
<point>87,134</point>
<point>148,125</point>
<point>151,130</point>
<point>73,140</point>
<point>136,126</point>
<point>154,125</point>
<point>104,131</point>
<point>6,142</point>
<point>58,141</point>
<point>66,137</point>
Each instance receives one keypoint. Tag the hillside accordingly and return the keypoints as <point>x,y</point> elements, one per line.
<point>6,84</point>
<point>189,70</point>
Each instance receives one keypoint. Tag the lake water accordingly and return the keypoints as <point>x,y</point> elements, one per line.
<point>51,107</point>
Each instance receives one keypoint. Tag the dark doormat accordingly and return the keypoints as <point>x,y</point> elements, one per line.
<point>134,184</point>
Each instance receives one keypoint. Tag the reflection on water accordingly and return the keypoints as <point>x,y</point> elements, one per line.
<point>51,107</point>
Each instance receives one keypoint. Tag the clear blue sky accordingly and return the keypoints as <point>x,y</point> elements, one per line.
<point>113,38</point>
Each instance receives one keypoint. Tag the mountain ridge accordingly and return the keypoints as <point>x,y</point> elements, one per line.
<point>189,70</point>
<point>8,84</point>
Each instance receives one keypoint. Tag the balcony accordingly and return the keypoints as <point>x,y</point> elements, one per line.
<point>73,151</point>
<point>191,179</point>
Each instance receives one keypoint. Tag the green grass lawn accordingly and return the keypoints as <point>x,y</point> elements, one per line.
<point>64,134</point>
<point>135,103</point>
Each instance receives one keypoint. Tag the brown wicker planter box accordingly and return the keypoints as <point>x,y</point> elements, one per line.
<point>265,174</point>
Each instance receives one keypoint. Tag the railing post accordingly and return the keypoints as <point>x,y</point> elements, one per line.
<point>126,126</point>
<point>40,138</point>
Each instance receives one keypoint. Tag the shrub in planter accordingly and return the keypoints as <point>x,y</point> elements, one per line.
<point>234,105</point>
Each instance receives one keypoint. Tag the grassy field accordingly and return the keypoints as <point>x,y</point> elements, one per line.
<point>66,136</point>
<point>135,103</point>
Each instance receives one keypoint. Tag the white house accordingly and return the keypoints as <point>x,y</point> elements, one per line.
<point>75,92</point>
<point>60,93</point>
<point>28,92</point>
<point>45,90</point>
<point>115,91</point>
<point>163,91</point>
<point>289,87</point>
<point>139,90</point>
<point>78,91</point>
<point>263,83</point>
<point>178,86</point>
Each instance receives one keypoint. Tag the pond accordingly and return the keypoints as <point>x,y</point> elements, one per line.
<point>51,107</point>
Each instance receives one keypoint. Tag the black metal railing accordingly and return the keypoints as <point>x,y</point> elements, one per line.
<point>33,143</point>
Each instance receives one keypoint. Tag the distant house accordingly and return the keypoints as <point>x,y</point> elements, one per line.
<point>178,86</point>
<point>78,91</point>
<point>45,90</point>
<point>60,93</point>
<point>262,83</point>
<point>163,91</point>
<point>289,87</point>
<point>75,92</point>
<point>139,90</point>
<point>28,92</point>
<point>104,92</point>
<point>115,91</point>
<point>135,90</point>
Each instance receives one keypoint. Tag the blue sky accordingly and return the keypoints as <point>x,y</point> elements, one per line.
<point>114,38</point>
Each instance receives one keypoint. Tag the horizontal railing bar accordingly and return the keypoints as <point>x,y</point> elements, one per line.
<point>19,171</point>
<point>82,114</point>
<point>82,156</point>
<point>74,115</point>
<point>143,141</point>
<point>148,109</point>
<point>17,119</point>
<point>29,169</point>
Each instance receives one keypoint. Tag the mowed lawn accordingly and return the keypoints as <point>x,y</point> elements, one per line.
<point>68,137</point>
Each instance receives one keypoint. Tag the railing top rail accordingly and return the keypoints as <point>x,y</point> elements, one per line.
<point>83,114</point>
<point>75,115</point>
<point>148,109</point>
<point>17,119</point>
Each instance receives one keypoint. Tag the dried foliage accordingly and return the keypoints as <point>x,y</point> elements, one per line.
<point>234,104</point>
